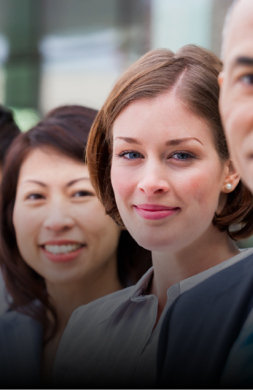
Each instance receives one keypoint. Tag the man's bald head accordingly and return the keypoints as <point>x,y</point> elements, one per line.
<point>236,82</point>
<point>225,27</point>
<point>233,15</point>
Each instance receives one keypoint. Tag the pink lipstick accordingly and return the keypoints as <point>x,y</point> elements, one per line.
<point>155,212</point>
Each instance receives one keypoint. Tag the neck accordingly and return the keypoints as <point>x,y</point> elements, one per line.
<point>171,268</point>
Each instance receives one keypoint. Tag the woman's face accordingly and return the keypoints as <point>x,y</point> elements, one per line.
<point>61,227</point>
<point>166,174</point>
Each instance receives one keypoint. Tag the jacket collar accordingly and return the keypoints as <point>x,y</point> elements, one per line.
<point>128,295</point>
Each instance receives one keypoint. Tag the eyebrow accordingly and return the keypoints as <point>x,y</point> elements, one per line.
<point>172,142</point>
<point>178,141</point>
<point>129,140</point>
<point>45,185</point>
<point>40,183</point>
<point>76,180</point>
<point>243,60</point>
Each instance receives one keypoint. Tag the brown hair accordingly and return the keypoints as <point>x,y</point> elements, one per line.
<point>8,131</point>
<point>192,73</point>
<point>66,130</point>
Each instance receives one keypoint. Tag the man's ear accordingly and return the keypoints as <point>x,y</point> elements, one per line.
<point>232,178</point>
<point>221,78</point>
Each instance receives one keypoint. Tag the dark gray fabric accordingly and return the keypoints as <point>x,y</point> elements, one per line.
<point>3,296</point>
<point>20,351</point>
<point>201,327</point>
<point>111,342</point>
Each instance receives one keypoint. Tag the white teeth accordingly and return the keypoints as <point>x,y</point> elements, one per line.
<point>62,248</point>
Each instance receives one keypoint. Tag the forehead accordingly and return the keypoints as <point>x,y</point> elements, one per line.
<point>49,162</point>
<point>160,117</point>
<point>239,40</point>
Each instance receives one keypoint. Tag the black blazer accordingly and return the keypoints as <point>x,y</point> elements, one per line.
<point>20,351</point>
<point>201,327</point>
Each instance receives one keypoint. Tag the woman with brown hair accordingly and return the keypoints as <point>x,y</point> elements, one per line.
<point>59,249</point>
<point>159,162</point>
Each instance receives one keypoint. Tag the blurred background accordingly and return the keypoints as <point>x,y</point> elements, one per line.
<point>55,52</point>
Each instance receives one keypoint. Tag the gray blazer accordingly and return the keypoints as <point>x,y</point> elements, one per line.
<point>201,327</point>
<point>20,351</point>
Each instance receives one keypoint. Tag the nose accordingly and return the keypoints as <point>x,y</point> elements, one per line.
<point>58,217</point>
<point>154,180</point>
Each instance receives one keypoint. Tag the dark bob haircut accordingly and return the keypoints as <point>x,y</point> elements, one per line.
<point>192,73</point>
<point>66,130</point>
<point>8,131</point>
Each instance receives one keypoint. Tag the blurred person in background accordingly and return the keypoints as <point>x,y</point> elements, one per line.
<point>59,249</point>
<point>8,132</point>
<point>158,159</point>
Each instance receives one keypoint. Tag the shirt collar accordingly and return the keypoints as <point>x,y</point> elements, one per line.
<point>137,292</point>
<point>141,286</point>
<point>134,293</point>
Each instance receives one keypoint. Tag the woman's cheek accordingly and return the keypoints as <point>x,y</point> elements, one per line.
<point>198,187</point>
<point>122,183</point>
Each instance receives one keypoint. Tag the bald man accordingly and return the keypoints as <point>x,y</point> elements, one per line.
<point>236,107</point>
<point>207,336</point>
<point>236,83</point>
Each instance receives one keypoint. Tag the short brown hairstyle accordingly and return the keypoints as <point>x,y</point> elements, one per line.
<point>192,73</point>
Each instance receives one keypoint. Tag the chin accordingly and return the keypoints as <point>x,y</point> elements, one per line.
<point>153,244</point>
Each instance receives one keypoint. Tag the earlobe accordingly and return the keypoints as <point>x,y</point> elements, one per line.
<point>221,78</point>
<point>232,178</point>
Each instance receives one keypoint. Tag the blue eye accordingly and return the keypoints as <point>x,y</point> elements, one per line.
<point>247,79</point>
<point>132,155</point>
<point>182,156</point>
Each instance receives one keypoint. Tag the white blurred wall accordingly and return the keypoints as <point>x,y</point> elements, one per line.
<point>180,22</point>
<point>83,69</point>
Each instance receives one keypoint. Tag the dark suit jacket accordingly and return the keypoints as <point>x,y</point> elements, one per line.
<point>201,327</point>
<point>20,351</point>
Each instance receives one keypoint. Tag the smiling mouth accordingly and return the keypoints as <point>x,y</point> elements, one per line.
<point>62,249</point>
<point>155,212</point>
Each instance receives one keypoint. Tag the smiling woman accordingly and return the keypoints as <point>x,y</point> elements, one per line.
<point>158,159</point>
<point>169,174</point>
<point>58,204</point>
<point>59,249</point>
